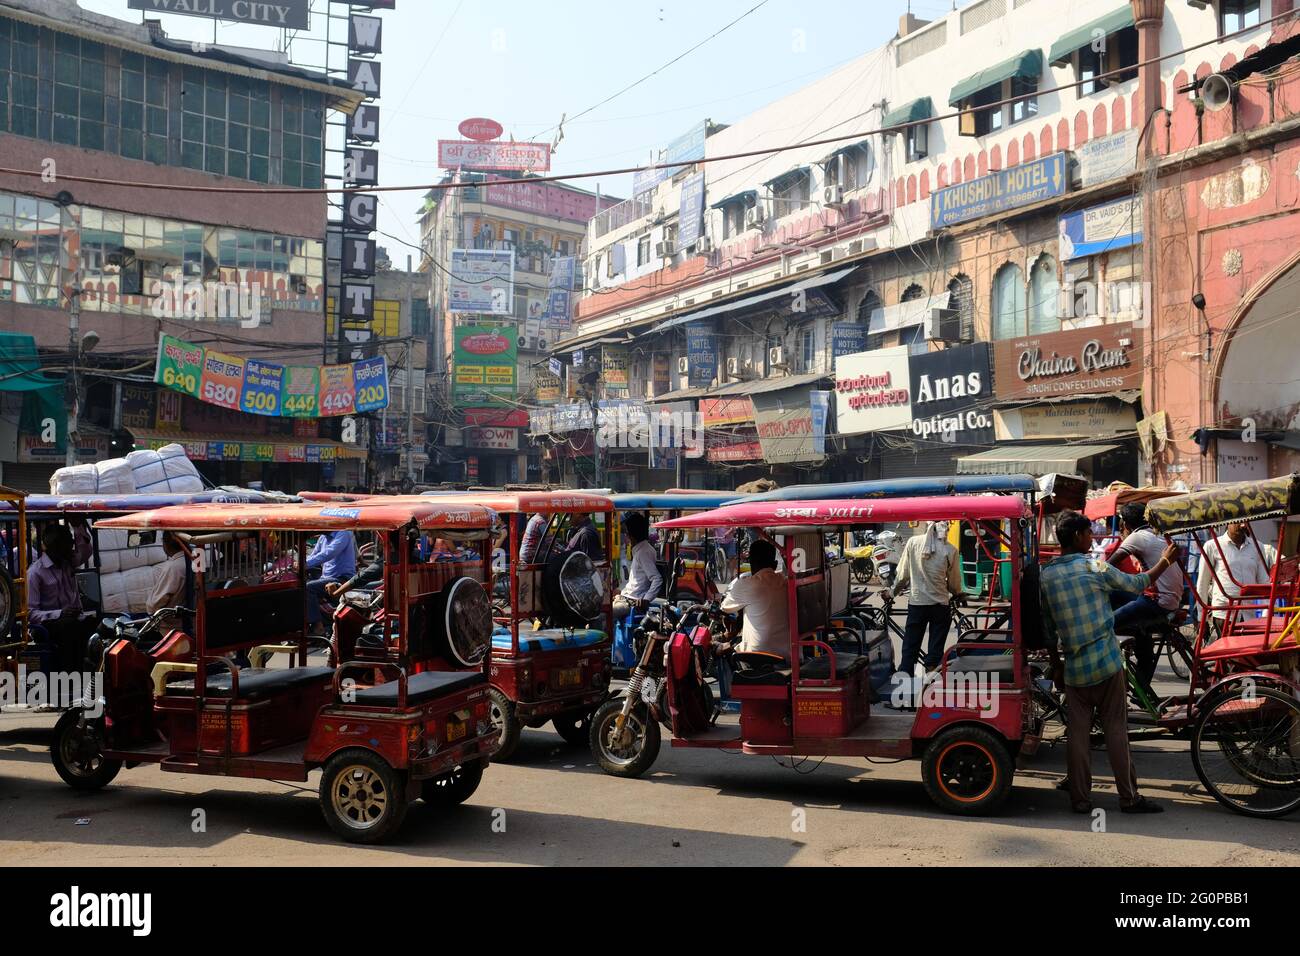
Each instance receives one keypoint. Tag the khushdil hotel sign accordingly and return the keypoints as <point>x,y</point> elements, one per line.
<point>1022,185</point>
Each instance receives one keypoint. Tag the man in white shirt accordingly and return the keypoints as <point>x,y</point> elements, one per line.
<point>1246,563</point>
<point>169,583</point>
<point>762,596</point>
<point>930,568</point>
<point>644,582</point>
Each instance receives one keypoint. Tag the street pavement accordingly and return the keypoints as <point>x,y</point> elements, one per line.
<point>553,806</point>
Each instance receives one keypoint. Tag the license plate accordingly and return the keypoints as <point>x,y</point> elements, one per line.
<point>456,730</point>
<point>568,677</point>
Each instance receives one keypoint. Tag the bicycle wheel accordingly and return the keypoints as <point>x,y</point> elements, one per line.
<point>1246,751</point>
<point>1178,651</point>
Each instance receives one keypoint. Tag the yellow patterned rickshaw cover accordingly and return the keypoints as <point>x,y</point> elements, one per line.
<point>1239,501</point>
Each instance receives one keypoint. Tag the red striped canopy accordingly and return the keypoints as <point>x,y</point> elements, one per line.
<point>855,511</point>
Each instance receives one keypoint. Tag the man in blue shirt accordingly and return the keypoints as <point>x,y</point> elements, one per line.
<point>335,556</point>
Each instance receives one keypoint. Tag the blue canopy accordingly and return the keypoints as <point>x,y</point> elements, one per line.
<point>671,502</point>
<point>128,504</point>
<point>904,488</point>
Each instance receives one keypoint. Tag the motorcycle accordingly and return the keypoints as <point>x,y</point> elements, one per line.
<point>884,556</point>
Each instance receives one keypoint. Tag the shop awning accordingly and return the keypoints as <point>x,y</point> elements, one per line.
<point>735,305</point>
<point>913,112</point>
<point>278,448</point>
<point>1084,36</point>
<point>788,174</point>
<point>1026,66</point>
<point>1030,459</point>
<point>747,196</point>
<point>906,314</point>
<point>755,386</point>
<point>20,365</point>
<point>840,150</point>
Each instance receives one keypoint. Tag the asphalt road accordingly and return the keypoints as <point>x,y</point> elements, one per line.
<point>553,806</point>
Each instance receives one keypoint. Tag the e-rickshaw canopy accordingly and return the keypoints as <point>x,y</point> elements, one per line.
<point>90,504</point>
<point>1239,501</point>
<point>427,515</point>
<point>816,514</point>
<point>1106,506</point>
<point>530,502</point>
<point>675,500</point>
<point>902,488</point>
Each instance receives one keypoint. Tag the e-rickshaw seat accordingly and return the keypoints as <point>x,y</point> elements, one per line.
<point>547,638</point>
<point>419,687</point>
<point>256,683</point>
<point>819,668</point>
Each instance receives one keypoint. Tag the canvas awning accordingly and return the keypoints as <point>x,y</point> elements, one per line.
<point>746,196</point>
<point>1027,66</point>
<point>20,365</point>
<point>735,305</point>
<point>1029,459</point>
<point>906,314</point>
<point>1085,35</point>
<point>913,112</point>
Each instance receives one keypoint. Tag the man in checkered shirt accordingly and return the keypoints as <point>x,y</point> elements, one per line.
<point>1076,590</point>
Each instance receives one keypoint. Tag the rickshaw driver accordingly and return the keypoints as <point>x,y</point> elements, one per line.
<point>644,582</point>
<point>1075,589</point>
<point>335,554</point>
<point>53,600</point>
<point>762,596</point>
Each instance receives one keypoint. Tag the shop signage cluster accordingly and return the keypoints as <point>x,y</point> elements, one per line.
<point>1022,185</point>
<point>485,363</point>
<point>357,248</point>
<point>264,388</point>
<point>701,354</point>
<point>951,394</point>
<point>1103,358</point>
<point>470,154</point>
<point>492,437</point>
<point>1105,228</point>
<point>684,149</point>
<point>287,452</point>
<point>482,281</point>
<point>787,425</point>
<point>873,391</point>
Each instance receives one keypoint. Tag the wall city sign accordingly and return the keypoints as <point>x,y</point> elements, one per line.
<point>1099,359</point>
<point>286,14</point>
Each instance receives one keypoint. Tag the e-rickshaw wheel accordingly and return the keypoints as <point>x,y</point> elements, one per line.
<point>7,604</point>
<point>1246,750</point>
<point>967,770</point>
<point>78,753</point>
<point>501,711</point>
<point>453,787</point>
<point>633,757</point>
<point>362,797</point>
<point>574,726</point>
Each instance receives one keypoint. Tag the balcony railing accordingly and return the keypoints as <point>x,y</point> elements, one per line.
<point>615,217</point>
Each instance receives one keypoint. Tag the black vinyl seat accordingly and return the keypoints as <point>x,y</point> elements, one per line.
<point>1001,663</point>
<point>420,688</point>
<point>257,683</point>
<point>775,677</point>
<point>819,668</point>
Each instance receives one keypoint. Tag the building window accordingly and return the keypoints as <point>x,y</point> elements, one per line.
<point>918,142</point>
<point>643,250</point>
<point>913,336</point>
<point>31,239</point>
<point>1044,296</point>
<point>791,193</point>
<point>980,116</point>
<point>1008,302</point>
<point>1117,52</point>
<point>962,291</point>
<point>1237,15</point>
<point>773,342</point>
<point>142,121</point>
<point>733,219</point>
<point>851,168</point>
<point>807,346</point>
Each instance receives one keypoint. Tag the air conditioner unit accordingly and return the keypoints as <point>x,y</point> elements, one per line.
<point>833,196</point>
<point>733,367</point>
<point>541,345</point>
<point>754,217</point>
<point>663,249</point>
<point>776,356</point>
<point>683,365</point>
<point>942,325</point>
<point>703,244</point>
<point>522,341</point>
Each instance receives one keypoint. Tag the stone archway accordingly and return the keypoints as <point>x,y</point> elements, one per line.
<point>1257,372</point>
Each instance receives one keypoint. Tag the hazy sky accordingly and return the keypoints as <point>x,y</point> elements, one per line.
<point>526,64</point>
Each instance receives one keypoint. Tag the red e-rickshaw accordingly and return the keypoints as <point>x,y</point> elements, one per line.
<point>382,730</point>
<point>818,702</point>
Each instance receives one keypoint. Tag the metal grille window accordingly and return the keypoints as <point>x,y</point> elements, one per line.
<point>981,14</point>
<point>919,44</point>
<point>963,300</point>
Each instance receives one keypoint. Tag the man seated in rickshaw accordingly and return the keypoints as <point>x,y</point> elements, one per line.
<point>762,596</point>
<point>584,537</point>
<point>169,583</point>
<point>53,600</point>
<point>644,582</point>
<point>335,557</point>
<point>1228,562</point>
<point>1142,610</point>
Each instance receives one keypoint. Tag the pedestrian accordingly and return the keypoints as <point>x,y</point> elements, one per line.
<point>1075,589</point>
<point>930,569</point>
<point>1229,561</point>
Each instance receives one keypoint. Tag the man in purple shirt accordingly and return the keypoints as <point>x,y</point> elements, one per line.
<point>53,600</point>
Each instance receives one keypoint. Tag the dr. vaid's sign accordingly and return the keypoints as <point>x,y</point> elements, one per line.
<point>286,14</point>
<point>997,192</point>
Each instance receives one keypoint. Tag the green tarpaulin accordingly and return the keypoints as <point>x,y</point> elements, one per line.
<point>1026,66</point>
<point>916,110</point>
<point>1089,33</point>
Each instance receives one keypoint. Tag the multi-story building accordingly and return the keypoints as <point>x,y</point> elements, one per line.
<point>533,225</point>
<point>107,101</point>
<point>987,238</point>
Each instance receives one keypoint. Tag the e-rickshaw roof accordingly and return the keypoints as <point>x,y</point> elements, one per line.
<point>1106,506</point>
<point>427,515</point>
<point>1239,501</point>
<point>126,504</point>
<point>530,502</point>
<point>675,501</point>
<point>902,488</point>
<point>851,511</point>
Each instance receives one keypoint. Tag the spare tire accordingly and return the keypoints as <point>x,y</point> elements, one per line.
<point>462,621</point>
<point>573,591</point>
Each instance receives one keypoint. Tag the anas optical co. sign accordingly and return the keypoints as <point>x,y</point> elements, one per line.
<point>989,195</point>
<point>285,14</point>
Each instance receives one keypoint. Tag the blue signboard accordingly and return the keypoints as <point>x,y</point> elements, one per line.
<point>821,408</point>
<point>262,384</point>
<point>371,377</point>
<point>1022,185</point>
<point>563,269</point>
<point>1104,228</point>
<point>684,149</point>
<point>848,338</point>
<point>690,216</point>
<point>701,354</point>
<point>557,314</point>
